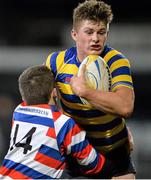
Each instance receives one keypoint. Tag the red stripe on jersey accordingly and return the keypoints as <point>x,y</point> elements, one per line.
<point>51,162</point>
<point>51,133</point>
<point>68,139</point>
<point>56,115</point>
<point>84,153</point>
<point>45,106</point>
<point>12,173</point>
<point>75,130</point>
<point>99,166</point>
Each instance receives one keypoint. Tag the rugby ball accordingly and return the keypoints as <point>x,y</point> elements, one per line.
<point>97,74</point>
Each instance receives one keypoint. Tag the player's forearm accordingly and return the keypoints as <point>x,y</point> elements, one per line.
<point>92,163</point>
<point>120,104</point>
<point>102,168</point>
<point>88,158</point>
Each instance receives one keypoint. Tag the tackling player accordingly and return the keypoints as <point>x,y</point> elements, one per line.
<point>41,137</point>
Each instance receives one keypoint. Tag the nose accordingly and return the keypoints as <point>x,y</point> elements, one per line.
<point>95,38</point>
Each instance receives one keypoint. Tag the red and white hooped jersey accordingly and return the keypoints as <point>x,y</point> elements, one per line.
<point>41,137</point>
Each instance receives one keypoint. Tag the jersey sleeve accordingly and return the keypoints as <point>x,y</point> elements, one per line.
<point>120,69</point>
<point>76,144</point>
<point>55,61</point>
<point>121,73</point>
<point>47,63</point>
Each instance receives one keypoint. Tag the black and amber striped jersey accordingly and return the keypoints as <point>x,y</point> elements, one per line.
<point>105,131</point>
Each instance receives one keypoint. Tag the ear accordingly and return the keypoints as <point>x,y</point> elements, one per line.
<point>74,34</point>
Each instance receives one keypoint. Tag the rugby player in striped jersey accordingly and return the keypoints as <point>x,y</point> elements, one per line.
<point>42,137</point>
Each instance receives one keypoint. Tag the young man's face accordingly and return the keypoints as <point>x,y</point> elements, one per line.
<point>90,37</point>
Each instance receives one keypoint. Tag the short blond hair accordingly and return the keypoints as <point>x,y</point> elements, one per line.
<point>92,10</point>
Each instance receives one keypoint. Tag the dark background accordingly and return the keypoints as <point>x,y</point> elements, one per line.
<point>16,16</point>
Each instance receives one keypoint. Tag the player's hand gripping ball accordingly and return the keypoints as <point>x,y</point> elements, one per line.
<point>97,74</point>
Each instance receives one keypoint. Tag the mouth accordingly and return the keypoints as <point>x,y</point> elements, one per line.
<point>96,48</point>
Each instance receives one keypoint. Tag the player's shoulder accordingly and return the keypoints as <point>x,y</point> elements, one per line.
<point>70,52</point>
<point>62,54</point>
<point>20,106</point>
<point>64,124</point>
<point>110,52</point>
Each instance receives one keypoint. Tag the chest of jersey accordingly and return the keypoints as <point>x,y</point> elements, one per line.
<point>65,70</point>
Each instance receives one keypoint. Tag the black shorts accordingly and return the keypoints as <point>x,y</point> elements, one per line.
<point>120,157</point>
